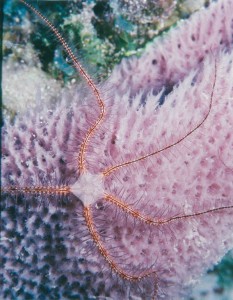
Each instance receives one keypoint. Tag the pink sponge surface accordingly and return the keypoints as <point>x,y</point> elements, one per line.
<point>171,57</point>
<point>194,175</point>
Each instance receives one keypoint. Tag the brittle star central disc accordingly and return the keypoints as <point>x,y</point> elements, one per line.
<point>88,188</point>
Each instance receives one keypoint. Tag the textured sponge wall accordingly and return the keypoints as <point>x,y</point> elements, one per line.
<point>47,251</point>
<point>171,57</point>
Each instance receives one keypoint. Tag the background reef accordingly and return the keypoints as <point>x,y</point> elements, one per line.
<point>103,31</point>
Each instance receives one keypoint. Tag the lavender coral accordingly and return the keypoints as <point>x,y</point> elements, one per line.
<point>162,213</point>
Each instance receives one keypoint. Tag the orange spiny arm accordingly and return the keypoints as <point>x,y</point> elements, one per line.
<point>95,236</point>
<point>151,221</point>
<point>90,132</point>
<point>81,70</point>
<point>44,190</point>
<point>109,170</point>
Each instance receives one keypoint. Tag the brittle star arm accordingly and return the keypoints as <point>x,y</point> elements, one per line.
<point>111,169</point>
<point>106,255</point>
<point>40,190</point>
<point>152,221</point>
<point>90,82</point>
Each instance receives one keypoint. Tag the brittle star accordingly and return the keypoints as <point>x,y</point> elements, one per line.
<point>91,186</point>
